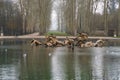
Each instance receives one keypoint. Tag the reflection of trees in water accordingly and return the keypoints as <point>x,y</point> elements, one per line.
<point>37,64</point>
<point>112,67</point>
<point>62,65</point>
<point>80,64</point>
<point>9,72</point>
<point>112,43</point>
<point>58,67</point>
<point>83,67</point>
<point>77,68</point>
<point>9,64</point>
<point>97,64</point>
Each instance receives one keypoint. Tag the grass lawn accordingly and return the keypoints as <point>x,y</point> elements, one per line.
<point>57,33</point>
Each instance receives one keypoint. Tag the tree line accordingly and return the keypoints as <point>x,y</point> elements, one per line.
<point>10,18</point>
<point>25,16</point>
<point>73,16</point>
<point>81,16</point>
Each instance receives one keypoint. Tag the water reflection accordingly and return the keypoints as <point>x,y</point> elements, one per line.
<point>9,66</point>
<point>97,63</point>
<point>58,64</point>
<point>67,65</point>
<point>112,63</point>
<point>112,69</point>
<point>83,64</point>
<point>20,61</point>
<point>36,64</point>
<point>9,72</point>
<point>77,68</point>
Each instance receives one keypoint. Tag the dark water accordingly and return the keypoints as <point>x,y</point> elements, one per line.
<point>20,61</point>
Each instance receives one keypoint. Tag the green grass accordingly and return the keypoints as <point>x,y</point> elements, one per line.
<point>56,33</point>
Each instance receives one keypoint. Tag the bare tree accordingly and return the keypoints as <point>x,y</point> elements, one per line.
<point>35,13</point>
<point>119,19</point>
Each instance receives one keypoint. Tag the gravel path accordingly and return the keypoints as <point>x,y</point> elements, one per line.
<point>42,37</point>
<point>36,35</point>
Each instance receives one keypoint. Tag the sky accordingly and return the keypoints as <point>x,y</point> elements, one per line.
<point>99,9</point>
<point>54,21</point>
<point>14,0</point>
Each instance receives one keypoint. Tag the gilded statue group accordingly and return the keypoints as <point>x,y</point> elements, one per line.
<point>81,41</point>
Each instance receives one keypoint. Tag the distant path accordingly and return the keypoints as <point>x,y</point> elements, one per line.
<point>36,35</point>
<point>59,37</point>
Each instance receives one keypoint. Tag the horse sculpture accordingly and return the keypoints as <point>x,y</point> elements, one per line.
<point>69,43</point>
<point>53,41</point>
<point>35,42</point>
<point>80,41</point>
<point>99,43</point>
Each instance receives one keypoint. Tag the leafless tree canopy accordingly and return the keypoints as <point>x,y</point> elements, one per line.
<point>73,16</point>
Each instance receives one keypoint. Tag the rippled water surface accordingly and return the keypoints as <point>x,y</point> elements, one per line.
<point>21,61</point>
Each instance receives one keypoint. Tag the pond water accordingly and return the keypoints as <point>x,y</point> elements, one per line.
<point>20,61</point>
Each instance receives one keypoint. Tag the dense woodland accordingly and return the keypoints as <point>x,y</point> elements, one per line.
<point>19,17</point>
